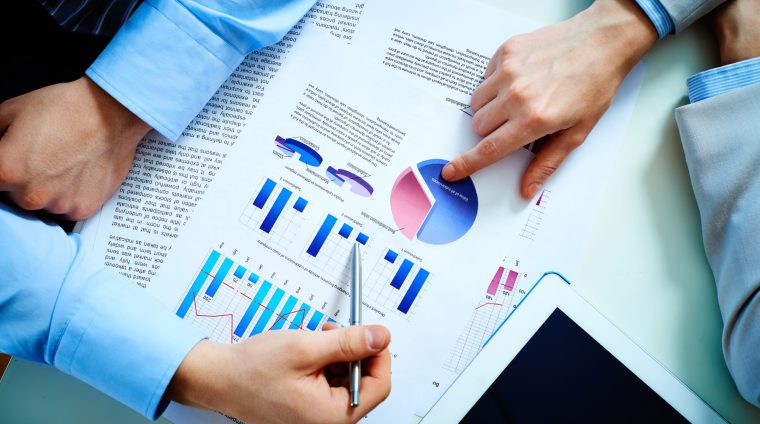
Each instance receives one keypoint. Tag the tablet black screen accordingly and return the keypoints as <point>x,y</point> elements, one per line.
<point>563,375</point>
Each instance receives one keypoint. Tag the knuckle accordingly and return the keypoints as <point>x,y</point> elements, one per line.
<point>489,147</point>
<point>32,200</point>
<point>345,344</point>
<point>479,125</point>
<point>517,93</point>
<point>536,116</point>
<point>9,173</point>
<point>507,70</point>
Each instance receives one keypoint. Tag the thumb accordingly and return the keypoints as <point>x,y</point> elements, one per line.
<point>551,155</point>
<point>349,344</point>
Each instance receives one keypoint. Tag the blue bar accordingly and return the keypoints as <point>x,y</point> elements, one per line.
<point>414,290</point>
<point>239,272</point>
<point>284,315</point>
<point>331,320</point>
<point>297,321</point>
<point>261,324</point>
<point>253,278</point>
<point>319,239</point>
<point>401,274</point>
<point>314,321</point>
<point>300,204</point>
<point>362,238</point>
<point>345,230</point>
<point>391,256</point>
<point>264,193</point>
<point>195,289</point>
<point>274,213</point>
<point>252,308</point>
<point>221,274</point>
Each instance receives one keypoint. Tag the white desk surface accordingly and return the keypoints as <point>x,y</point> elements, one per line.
<point>644,266</point>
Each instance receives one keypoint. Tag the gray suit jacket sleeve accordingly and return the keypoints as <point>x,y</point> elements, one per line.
<point>721,140</point>
<point>685,12</point>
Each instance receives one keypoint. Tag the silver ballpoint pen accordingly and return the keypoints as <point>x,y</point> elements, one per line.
<point>355,368</point>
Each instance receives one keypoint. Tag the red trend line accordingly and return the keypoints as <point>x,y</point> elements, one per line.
<point>489,303</point>
<point>231,316</point>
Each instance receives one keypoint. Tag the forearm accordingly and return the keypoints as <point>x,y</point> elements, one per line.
<point>60,307</point>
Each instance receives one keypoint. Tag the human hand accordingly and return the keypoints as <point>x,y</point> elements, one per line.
<point>554,83</point>
<point>65,148</point>
<point>287,376</point>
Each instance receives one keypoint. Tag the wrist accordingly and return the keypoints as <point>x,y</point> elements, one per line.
<point>623,28</point>
<point>112,115</point>
<point>195,383</point>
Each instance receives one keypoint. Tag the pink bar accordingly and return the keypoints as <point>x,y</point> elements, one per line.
<point>495,282</point>
<point>511,280</point>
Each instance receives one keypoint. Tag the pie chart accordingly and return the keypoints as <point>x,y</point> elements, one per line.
<point>426,206</point>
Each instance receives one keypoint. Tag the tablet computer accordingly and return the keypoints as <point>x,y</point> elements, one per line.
<point>557,359</point>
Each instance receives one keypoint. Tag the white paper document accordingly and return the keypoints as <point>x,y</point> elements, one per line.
<point>343,151</point>
<point>135,230</point>
<point>445,47</point>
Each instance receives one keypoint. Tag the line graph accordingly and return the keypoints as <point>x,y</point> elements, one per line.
<point>499,298</point>
<point>231,302</point>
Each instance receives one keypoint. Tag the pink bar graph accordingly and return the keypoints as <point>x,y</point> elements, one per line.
<point>495,282</point>
<point>511,280</point>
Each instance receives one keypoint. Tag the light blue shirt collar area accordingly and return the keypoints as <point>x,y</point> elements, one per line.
<point>58,305</point>
<point>171,56</point>
<point>717,81</point>
<point>658,15</point>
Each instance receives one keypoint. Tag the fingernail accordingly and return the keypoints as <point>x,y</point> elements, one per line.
<point>533,189</point>
<point>448,171</point>
<point>375,337</point>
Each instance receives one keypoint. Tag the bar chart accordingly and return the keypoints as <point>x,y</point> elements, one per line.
<point>231,301</point>
<point>330,246</point>
<point>276,212</point>
<point>501,295</point>
<point>396,283</point>
<point>535,218</point>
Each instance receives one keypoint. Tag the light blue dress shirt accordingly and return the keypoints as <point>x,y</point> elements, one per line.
<point>713,82</point>
<point>171,56</point>
<point>58,304</point>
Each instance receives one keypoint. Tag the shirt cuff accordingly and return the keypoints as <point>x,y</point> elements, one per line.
<point>717,81</point>
<point>164,65</point>
<point>119,339</point>
<point>658,15</point>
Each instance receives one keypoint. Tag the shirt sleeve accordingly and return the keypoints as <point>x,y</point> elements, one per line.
<point>171,56</point>
<point>717,81</point>
<point>658,15</point>
<point>57,306</point>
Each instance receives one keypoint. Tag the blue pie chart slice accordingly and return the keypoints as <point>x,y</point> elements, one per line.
<point>442,219</point>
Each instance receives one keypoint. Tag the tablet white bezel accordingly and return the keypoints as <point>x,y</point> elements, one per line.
<point>550,293</point>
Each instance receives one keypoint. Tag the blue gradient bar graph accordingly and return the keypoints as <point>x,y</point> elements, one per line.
<point>221,274</point>
<point>253,278</point>
<point>401,274</point>
<point>200,280</point>
<point>362,238</point>
<point>414,290</point>
<point>391,256</point>
<point>314,321</point>
<point>261,324</point>
<point>240,271</point>
<point>319,239</point>
<point>345,231</point>
<point>264,193</point>
<point>297,320</point>
<point>284,315</point>
<point>252,308</point>
<point>332,320</point>
<point>300,204</point>
<point>274,213</point>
